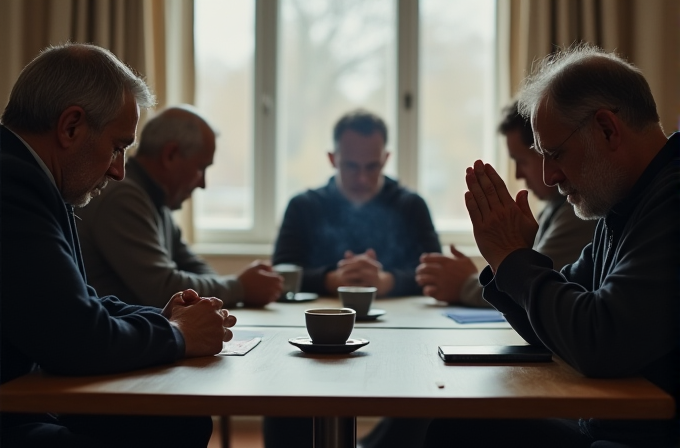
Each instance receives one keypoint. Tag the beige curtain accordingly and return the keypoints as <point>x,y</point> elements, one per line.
<point>155,37</point>
<point>645,32</point>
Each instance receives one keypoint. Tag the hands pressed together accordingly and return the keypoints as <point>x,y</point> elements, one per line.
<point>500,223</point>
<point>360,270</point>
<point>202,321</point>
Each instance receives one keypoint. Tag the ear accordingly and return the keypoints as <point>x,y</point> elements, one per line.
<point>169,154</point>
<point>72,127</point>
<point>387,156</point>
<point>610,126</point>
<point>331,158</point>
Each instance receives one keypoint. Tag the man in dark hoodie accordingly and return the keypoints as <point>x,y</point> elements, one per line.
<point>362,228</point>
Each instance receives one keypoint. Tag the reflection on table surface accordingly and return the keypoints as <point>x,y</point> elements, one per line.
<point>397,374</point>
<point>400,312</point>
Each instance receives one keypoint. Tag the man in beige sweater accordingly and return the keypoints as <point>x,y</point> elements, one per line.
<point>561,235</point>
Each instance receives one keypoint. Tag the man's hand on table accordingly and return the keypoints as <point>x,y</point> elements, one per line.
<point>360,270</point>
<point>443,277</point>
<point>202,321</point>
<point>261,285</point>
<point>500,224</point>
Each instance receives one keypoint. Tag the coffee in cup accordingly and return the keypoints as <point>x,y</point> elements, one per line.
<point>292,279</point>
<point>329,325</point>
<point>358,298</point>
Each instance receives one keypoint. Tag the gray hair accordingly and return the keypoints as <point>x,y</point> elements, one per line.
<point>583,79</point>
<point>180,124</point>
<point>68,75</point>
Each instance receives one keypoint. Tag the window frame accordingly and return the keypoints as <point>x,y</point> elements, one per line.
<point>261,237</point>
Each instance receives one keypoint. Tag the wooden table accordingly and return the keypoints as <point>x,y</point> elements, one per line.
<point>398,374</point>
<point>401,312</point>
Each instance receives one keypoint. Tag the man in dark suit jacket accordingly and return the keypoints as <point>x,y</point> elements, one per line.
<point>71,114</point>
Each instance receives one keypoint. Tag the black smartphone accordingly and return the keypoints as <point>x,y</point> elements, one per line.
<point>494,353</point>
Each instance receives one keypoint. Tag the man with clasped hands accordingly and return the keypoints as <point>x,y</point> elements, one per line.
<point>614,312</point>
<point>71,115</point>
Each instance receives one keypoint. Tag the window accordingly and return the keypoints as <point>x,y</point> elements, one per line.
<point>225,48</point>
<point>274,76</point>
<point>334,56</point>
<point>457,116</point>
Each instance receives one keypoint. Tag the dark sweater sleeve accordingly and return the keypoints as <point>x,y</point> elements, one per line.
<point>513,313</point>
<point>627,322</point>
<point>49,315</point>
<point>291,245</point>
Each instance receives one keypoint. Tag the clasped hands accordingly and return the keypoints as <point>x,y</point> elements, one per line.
<point>360,270</point>
<point>202,321</point>
<point>500,223</point>
<point>443,277</point>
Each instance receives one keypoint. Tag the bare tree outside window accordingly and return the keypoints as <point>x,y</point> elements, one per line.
<point>225,50</point>
<point>334,56</point>
<point>458,104</point>
<point>329,57</point>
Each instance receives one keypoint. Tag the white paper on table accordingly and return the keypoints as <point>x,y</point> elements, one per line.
<point>242,343</point>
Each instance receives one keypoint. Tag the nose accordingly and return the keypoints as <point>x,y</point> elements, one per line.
<point>116,170</point>
<point>363,177</point>
<point>552,175</point>
<point>201,181</point>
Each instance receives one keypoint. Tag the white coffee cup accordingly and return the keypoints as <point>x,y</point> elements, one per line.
<point>292,279</point>
<point>329,325</point>
<point>358,298</point>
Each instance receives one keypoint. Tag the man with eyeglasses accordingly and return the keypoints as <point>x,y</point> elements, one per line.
<point>362,228</point>
<point>614,312</point>
<point>69,120</point>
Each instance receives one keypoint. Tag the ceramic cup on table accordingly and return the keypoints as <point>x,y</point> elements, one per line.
<point>329,325</point>
<point>292,279</point>
<point>358,298</point>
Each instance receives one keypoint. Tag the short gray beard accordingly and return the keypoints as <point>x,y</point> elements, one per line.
<point>85,199</point>
<point>602,184</point>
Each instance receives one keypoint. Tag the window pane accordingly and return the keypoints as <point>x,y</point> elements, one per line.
<point>457,108</point>
<point>334,56</point>
<point>225,45</point>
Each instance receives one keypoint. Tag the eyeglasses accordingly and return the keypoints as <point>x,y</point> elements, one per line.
<point>555,153</point>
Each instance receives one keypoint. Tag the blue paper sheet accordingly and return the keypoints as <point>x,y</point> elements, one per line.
<point>475,315</point>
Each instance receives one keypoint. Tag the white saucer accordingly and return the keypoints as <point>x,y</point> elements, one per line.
<point>307,346</point>
<point>373,314</point>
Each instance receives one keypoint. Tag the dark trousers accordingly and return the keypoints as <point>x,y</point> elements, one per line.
<point>554,433</point>
<point>104,431</point>
<point>464,433</point>
<point>286,432</point>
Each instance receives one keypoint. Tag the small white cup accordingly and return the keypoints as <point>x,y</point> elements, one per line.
<point>329,325</point>
<point>359,298</point>
<point>292,279</point>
